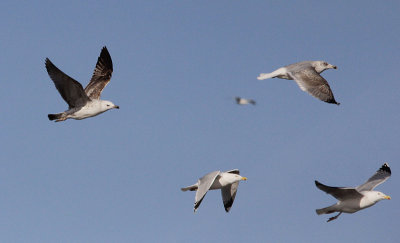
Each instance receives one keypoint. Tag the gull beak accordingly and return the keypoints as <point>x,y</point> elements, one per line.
<point>244,178</point>
<point>116,107</point>
<point>387,197</point>
<point>334,67</point>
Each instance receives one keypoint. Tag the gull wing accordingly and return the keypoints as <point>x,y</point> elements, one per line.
<point>229,192</point>
<point>311,82</point>
<point>234,171</point>
<point>101,75</point>
<point>70,89</point>
<point>340,193</point>
<point>204,184</point>
<point>378,178</point>
<point>228,195</point>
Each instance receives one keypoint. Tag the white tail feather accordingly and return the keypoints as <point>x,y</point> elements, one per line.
<point>279,73</point>
<point>263,76</point>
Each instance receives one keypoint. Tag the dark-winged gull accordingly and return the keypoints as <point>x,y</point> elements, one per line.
<point>307,76</point>
<point>243,101</point>
<point>227,181</point>
<point>351,199</point>
<point>83,103</point>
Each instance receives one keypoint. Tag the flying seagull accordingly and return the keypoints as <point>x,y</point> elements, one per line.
<point>83,103</point>
<point>243,101</point>
<point>352,200</point>
<point>227,181</point>
<point>307,76</point>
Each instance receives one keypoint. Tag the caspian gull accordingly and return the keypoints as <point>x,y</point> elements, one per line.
<point>227,181</point>
<point>83,103</point>
<point>307,76</point>
<point>351,199</point>
<point>243,101</point>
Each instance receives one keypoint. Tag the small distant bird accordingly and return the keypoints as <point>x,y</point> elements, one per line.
<point>227,181</point>
<point>83,103</point>
<point>243,101</point>
<point>307,76</point>
<point>352,200</point>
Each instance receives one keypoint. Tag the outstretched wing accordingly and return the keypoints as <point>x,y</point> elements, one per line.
<point>101,75</point>
<point>378,178</point>
<point>311,82</point>
<point>340,193</point>
<point>204,185</point>
<point>228,195</point>
<point>70,89</point>
<point>229,192</point>
<point>234,171</point>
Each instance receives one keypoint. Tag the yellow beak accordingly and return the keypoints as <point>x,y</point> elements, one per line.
<point>244,178</point>
<point>387,197</point>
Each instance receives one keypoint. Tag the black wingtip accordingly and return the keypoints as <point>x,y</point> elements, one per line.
<point>228,205</point>
<point>105,58</point>
<point>53,116</point>
<point>319,184</point>
<point>49,65</point>
<point>47,62</point>
<point>332,101</point>
<point>385,167</point>
<point>104,50</point>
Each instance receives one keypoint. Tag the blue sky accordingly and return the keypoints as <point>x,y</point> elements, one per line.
<point>177,66</point>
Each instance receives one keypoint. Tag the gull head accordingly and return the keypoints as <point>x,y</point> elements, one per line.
<point>108,105</point>
<point>239,178</point>
<point>321,66</point>
<point>229,178</point>
<point>380,196</point>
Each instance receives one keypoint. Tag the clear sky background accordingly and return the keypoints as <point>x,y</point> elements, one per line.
<point>177,66</point>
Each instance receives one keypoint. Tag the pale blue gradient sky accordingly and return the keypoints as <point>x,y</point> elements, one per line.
<point>177,67</point>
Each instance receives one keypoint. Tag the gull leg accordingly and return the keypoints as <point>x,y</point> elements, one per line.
<point>335,217</point>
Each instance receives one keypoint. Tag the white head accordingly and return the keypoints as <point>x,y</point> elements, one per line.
<point>232,178</point>
<point>371,197</point>
<point>107,105</point>
<point>381,196</point>
<point>321,66</point>
<point>376,196</point>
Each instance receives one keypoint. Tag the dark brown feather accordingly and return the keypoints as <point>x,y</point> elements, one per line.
<point>339,193</point>
<point>101,75</point>
<point>314,84</point>
<point>70,89</point>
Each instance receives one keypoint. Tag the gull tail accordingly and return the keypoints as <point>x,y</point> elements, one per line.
<point>279,73</point>
<point>190,188</point>
<point>263,76</point>
<point>327,210</point>
<point>55,116</point>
